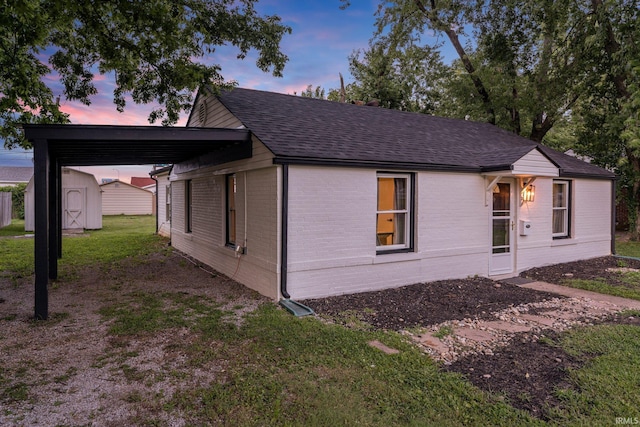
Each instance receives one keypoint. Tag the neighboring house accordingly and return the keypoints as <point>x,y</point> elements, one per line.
<point>335,198</point>
<point>144,182</point>
<point>161,178</point>
<point>13,175</point>
<point>120,198</point>
<point>81,202</point>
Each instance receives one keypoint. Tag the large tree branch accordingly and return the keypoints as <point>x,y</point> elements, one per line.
<point>466,62</point>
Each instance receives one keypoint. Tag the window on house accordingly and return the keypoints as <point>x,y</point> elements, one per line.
<point>561,209</point>
<point>168,203</point>
<point>231,209</point>
<point>188,196</point>
<point>393,215</point>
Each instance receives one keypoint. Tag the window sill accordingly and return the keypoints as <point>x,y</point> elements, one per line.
<point>393,251</point>
<point>563,241</point>
<point>396,256</point>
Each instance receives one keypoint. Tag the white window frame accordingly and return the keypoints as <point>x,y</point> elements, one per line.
<point>565,209</point>
<point>408,212</point>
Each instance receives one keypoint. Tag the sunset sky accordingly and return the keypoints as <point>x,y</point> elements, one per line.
<point>322,39</point>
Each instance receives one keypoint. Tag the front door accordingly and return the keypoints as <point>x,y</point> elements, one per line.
<point>74,208</point>
<point>502,229</point>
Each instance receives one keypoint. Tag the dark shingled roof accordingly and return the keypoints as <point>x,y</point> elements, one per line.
<point>16,173</point>
<point>299,129</point>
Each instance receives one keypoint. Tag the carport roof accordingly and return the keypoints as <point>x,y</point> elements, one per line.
<point>94,145</point>
<point>91,145</point>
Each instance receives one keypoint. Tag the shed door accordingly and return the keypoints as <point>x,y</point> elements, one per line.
<point>502,229</point>
<point>74,208</point>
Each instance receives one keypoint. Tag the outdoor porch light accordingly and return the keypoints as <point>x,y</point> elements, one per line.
<point>528,193</point>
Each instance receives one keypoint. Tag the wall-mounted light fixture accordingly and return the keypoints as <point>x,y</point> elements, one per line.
<point>528,193</point>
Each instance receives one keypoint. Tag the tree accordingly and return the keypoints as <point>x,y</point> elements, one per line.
<point>409,79</point>
<point>310,92</point>
<point>154,51</point>
<point>558,71</point>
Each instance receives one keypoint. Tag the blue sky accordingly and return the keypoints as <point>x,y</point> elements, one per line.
<point>323,37</point>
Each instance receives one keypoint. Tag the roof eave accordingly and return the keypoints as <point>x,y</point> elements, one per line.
<point>311,161</point>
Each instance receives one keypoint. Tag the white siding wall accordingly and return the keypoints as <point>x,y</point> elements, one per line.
<point>119,198</point>
<point>534,163</point>
<point>258,269</point>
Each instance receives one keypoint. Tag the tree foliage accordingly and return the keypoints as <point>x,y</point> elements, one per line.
<point>17,198</point>
<point>153,49</point>
<point>565,72</point>
<point>521,64</point>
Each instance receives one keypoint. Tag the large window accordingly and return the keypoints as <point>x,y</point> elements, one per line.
<point>561,209</point>
<point>188,198</point>
<point>231,209</point>
<point>394,216</point>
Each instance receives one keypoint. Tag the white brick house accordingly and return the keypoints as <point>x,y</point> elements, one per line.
<point>336,198</point>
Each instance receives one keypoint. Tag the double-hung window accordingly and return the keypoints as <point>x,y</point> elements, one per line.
<point>561,209</point>
<point>167,203</point>
<point>188,198</point>
<point>231,189</point>
<point>394,212</point>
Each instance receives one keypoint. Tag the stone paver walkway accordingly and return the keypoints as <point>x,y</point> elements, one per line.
<point>451,340</point>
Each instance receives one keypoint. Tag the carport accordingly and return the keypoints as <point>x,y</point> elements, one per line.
<point>55,146</point>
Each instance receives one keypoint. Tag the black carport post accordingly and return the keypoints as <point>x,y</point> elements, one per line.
<point>41,176</point>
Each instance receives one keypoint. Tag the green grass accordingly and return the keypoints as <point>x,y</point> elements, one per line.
<point>631,289</point>
<point>16,228</point>
<point>276,369</point>
<point>608,385</point>
<point>120,237</point>
<point>631,249</point>
<point>282,370</point>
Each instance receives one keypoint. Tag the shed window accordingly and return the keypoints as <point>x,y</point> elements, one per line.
<point>561,209</point>
<point>394,212</point>
<point>231,209</point>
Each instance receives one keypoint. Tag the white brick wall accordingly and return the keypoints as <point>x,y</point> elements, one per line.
<point>590,225</point>
<point>331,245</point>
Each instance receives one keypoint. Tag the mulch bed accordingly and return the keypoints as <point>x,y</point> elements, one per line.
<point>428,303</point>
<point>526,372</point>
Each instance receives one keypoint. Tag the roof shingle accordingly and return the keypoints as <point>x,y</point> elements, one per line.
<point>301,128</point>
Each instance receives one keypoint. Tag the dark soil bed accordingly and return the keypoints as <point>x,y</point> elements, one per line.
<point>590,269</point>
<point>428,303</point>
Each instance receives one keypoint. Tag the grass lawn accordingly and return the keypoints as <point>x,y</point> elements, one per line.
<point>631,279</point>
<point>121,236</point>
<point>282,370</point>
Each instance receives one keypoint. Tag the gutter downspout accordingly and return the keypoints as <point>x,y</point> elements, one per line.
<point>284,231</point>
<point>613,216</point>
